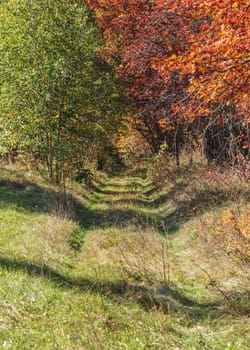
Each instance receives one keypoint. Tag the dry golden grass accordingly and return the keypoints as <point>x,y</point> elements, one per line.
<point>52,238</point>
<point>220,249</point>
<point>136,255</point>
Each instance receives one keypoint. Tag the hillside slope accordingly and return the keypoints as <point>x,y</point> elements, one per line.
<point>116,266</point>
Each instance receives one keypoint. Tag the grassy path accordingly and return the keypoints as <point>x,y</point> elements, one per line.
<point>91,272</point>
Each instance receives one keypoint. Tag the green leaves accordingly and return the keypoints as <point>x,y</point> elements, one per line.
<point>54,88</point>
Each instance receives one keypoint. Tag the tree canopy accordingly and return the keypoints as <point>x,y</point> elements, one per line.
<point>183,60</point>
<point>58,98</point>
<point>183,67</point>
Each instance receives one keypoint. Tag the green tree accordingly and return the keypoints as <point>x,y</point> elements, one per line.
<point>57,97</point>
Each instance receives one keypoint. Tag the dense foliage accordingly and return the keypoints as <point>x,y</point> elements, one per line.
<point>187,67</point>
<point>112,221</point>
<point>59,101</point>
<point>184,66</point>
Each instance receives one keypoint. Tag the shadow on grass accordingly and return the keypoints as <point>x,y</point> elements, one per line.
<point>140,172</point>
<point>186,203</point>
<point>33,198</point>
<point>28,196</point>
<point>197,203</point>
<point>25,196</point>
<point>111,189</point>
<point>169,300</point>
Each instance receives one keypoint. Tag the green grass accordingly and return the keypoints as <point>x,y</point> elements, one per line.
<point>88,271</point>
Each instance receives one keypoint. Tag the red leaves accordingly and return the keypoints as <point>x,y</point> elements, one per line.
<point>220,121</point>
<point>206,41</point>
<point>245,144</point>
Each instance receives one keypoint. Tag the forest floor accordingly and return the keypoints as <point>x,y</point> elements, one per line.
<point>118,266</point>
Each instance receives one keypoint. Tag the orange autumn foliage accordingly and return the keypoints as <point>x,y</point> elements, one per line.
<point>217,55</point>
<point>181,60</point>
<point>234,229</point>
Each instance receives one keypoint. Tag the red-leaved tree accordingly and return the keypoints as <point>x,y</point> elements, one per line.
<point>186,63</point>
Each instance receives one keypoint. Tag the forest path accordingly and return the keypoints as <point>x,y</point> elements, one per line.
<point>144,233</point>
<point>100,273</point>
<point>132,199</point>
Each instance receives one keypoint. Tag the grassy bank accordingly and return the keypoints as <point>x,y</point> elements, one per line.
<point>123,265</point>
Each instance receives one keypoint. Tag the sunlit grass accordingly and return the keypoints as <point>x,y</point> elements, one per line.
<point>93,274</point>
